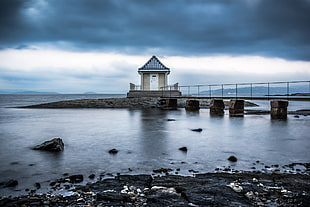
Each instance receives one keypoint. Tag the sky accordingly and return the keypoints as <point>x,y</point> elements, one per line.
<point>76,46</point>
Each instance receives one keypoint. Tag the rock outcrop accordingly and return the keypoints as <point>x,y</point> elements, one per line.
<point>53,145</point>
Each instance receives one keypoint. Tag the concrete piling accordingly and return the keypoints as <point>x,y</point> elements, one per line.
<point>278,109</point>
<point>217,106</point>
<point>192,105</point>
<point>236,107</point>
<point>168,104</point>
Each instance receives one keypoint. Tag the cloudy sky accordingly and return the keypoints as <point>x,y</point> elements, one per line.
<point>73,46</point>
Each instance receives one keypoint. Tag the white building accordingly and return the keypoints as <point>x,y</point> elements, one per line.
<point>154,81</point>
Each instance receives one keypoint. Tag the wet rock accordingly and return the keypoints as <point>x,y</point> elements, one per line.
<point>53,145</point>
<point>232,159</point>
<point>184,149</point>
<point>11,183</point>
<point>92,176</point>
<point>170,119</point>
<point>76,178</point>
<point>113,151</point>
<point>53,183</point>
<point>162,170</point>
<point>236,187</point>
<point>113,197</point>
<point>197,130</point>
<point>37,185</point>
<point>250,195</point>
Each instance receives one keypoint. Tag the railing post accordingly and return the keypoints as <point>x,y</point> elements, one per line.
<point>251,92</point>
<point>268,90</point>
<point>288,90</point>
<point>210,91</point>
<point>198,91</point>
<point>236,91</point>
<point>222,91</point>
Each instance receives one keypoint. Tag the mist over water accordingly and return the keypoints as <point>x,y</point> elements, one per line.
<point>146,140</point>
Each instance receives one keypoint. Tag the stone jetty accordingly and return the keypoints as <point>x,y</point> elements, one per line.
<point>147,102</point>
<point>134,103</point>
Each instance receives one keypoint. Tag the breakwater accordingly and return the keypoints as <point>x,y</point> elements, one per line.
<point>100,103</point>
<point>138,103</point>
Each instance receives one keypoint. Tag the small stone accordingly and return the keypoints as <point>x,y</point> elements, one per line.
<point>37,185</point>
<point>113,151</point>
<point>236,187</point>
<point>250,195</point>
<point>80,200</point>
<point>11,183</point>
<point>232,159</point>
<point>184,149</point>
<point>162,170</point>
<point>53,183</point>
<point>76,178</point>
<point>170,119</point>
<point>255,180</point>
<point>197,130</point>
<point>92,176</point>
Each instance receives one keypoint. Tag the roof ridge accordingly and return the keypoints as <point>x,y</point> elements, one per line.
<point>154,64</point>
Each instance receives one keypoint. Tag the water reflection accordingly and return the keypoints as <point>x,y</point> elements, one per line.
<point>217,114</point>
<point>153,134</point>
<point>192,113</point>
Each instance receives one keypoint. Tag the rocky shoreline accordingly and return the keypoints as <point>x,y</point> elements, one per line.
<point>164,189</point>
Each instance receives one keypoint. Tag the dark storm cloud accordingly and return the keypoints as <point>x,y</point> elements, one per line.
<point>274,28</point>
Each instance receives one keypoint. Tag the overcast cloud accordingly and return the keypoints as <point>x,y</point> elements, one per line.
<point>136,29</point>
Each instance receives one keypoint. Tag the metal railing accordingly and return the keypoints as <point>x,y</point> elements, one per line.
<point>258,90</point>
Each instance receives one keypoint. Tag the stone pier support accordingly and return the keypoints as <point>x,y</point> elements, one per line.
<point>169,103</point>
<point>278,109</point>
<point>236,107</point>
<point>217,106</point>
<point>192,105</point>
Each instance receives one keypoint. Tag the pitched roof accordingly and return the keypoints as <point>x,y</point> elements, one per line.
<point>153,65</point>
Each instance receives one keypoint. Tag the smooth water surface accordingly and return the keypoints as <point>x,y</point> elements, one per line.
<point>146,140</point>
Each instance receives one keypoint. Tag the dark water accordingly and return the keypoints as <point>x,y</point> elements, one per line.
<point>144,138</point>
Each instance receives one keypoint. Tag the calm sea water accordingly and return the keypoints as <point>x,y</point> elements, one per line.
<point>146,140</point>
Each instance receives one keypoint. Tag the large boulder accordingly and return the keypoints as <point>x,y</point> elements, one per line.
<point>53,145</point>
